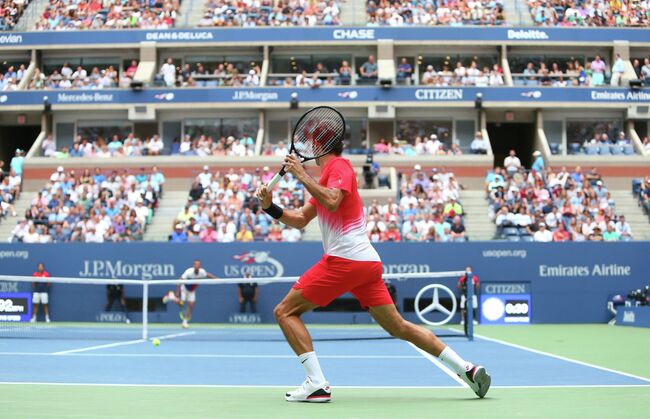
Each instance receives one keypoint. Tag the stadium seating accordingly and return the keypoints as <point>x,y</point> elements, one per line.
<point>209,74</point>
<point>607,13</point>
<point>405,13</point>
<point>10,186</point>
<point>428,210</point>
<point>95,14</point>
<point>222,208</point>
<point>90,206</point>
<point>641,189</point>
<point>10,12</point>
<point>131,146</point>
<point>572,206</point>
<point>269,13</point>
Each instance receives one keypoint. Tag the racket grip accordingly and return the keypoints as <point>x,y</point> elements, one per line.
<point>275,179</point>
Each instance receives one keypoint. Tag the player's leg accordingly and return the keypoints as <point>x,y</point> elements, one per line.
<point>288,312</point>
<point>45,302</point>
<point>110,299</point>
<point>36,299</point>
<point>389,318</point>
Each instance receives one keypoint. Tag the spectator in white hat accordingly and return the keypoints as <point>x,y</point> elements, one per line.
<point>543,235</point>
<point>433,144</point>
<point>538,164</point>
<point>205,177</point>
<point>478,145</point>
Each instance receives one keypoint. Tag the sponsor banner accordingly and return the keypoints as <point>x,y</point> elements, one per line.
<point>633,316</point>
<point>324,34</point>
<point>244,318</point>
<point>506,309</point>
<point>554,273</point>
<point>15,306</point>
<point>263,95</point>
<point>505,288</point>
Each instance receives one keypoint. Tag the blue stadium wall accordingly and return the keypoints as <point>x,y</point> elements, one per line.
<point>568,282</point>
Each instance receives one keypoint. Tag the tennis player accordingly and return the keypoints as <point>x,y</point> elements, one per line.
<point>350,264</point>
<point>186,292</point>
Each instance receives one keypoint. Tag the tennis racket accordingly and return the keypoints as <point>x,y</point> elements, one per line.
<point>317,133</point>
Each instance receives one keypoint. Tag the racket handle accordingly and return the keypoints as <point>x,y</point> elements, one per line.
<point>276,179</point>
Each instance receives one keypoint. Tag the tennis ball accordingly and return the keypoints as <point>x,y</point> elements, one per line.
<point>156,342</point>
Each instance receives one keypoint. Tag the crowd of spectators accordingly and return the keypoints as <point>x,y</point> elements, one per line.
<point>472,75</point>
<point>10,12</point>
<point>204,75</point>
<point>603,13</point>
<point>132,146</point>
<point>10,184</point>
<point>572,73</point>
<point>281,13</point>
<point>420,145</point>
<point>544,205</point>
<point>428,210</point>
<point>66,15</point>
<point>205,145</point>
<point>430,13</point>
<point>10,76</point>
<point>318,76</point>
<point>604,140</point>
<point>92,207</point>
<point>642,191</point>
<point>117,146</point>
<point>642,69</point>
<point>85,79</point>
<point>222,208</point>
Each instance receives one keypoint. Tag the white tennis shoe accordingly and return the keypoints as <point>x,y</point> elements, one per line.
<point>310,393</point>
<point>478,380</point>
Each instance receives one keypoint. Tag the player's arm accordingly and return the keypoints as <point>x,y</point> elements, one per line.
<point>328,197</point>
<point>297,218</point>
<point>209,275</point>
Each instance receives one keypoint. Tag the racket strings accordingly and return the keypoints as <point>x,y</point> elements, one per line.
<point>319,132</point>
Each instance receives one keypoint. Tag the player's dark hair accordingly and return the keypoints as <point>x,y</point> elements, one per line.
<point>338,148</point>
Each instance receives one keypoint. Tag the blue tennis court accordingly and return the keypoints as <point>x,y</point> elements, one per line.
<point>257,357</point>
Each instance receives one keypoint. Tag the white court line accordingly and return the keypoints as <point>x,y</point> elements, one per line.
<point>128,342</point>
<point>13,383</point>
<point>112,355</point>
<point>563,358</point>
<point>440,365</point>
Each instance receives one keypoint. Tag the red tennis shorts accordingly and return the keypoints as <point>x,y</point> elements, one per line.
<point>333,276</point>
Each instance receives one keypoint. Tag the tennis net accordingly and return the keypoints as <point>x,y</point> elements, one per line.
<point>128,309</point>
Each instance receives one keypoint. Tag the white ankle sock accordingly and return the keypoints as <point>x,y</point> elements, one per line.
<point>309,362</point>
<point>454,361</point>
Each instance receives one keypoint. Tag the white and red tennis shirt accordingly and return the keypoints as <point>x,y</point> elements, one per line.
<point>344,230</point>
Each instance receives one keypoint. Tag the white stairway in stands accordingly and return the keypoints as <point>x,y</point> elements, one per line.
<point>477,223</point>
<point>626,204</point>
<point>169,206</point>
<point>30,188</point>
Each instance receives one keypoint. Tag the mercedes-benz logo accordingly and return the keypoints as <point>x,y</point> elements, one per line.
<point>435,305</point>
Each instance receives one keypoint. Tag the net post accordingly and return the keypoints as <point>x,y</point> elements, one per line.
<point>469,307</point>
<point>145,310</point>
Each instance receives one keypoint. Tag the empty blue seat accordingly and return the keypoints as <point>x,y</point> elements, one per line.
<point>604,150</point>
<point>555,148</point>
<point>574,148</point>
<point>591,150</point>
<point>513,238</point>
<point>511,231</point>
<point>527,238</point>
<point>616,149</point>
